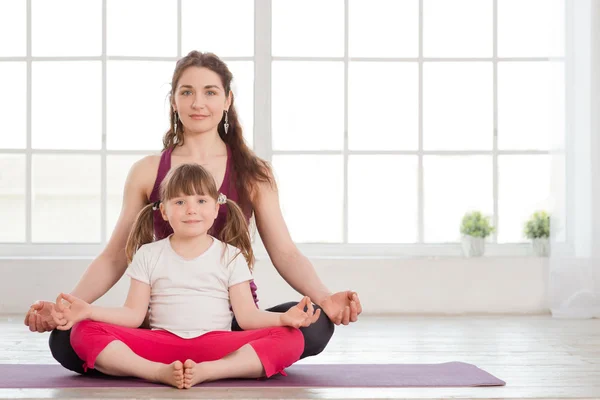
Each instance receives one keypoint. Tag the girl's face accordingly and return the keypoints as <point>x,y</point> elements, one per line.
<point>200,100</point>
<point>190,216</point>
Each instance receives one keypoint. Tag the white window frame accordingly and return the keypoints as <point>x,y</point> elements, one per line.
<point>263,144</point>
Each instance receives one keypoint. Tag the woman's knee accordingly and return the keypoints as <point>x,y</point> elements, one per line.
<point>317,335</point>
<point>62,351</point>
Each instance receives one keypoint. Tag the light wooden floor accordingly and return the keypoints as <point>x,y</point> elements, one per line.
<point>538,357</point>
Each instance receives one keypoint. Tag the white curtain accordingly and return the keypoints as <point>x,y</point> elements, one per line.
<point>574,279</point>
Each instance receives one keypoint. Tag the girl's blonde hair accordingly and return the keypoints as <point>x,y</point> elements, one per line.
<point>189,180</point>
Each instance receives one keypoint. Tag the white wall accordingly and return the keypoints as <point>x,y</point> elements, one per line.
<point>448,285</point>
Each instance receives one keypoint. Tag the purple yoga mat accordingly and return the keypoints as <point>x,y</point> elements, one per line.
<point>451,374</point>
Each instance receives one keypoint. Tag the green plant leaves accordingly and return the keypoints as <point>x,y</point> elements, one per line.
<point>476,224</point>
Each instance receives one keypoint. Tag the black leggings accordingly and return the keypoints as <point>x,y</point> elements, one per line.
<point>316,337</point>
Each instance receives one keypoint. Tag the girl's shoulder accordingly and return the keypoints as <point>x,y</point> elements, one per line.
<point>228,252</point>
<point>153,248</point>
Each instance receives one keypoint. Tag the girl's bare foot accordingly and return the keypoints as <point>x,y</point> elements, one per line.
<point>171,374</point>
<point>192,374</point>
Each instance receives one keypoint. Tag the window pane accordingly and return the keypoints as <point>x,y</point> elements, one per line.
<point>308,105</point>
<point>13,26</point>
<point>458,28</point>
<point>524,187</point>
<point>67,105</point>
<point>152,32</point>
<point>311,28</point>
<point>530,104</point>
<point>373,24</point>
<point>369,184</point>
<point>208,26</point>
<point>454,185</point>
<point>66,198</point>
<point>457,106</point>
<point>531,28</point>
<point>316,215</point>
<point>12,197</point>
<point>138,104</point>
<point>66,27</point>
<point>13,103</point>
<point>117,168</point>
<point>243,91</point>
<point>383,117</point>
<point>558,196</point>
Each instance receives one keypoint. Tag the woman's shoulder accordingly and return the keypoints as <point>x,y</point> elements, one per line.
<point>147,163</point>
<point>144,171</point>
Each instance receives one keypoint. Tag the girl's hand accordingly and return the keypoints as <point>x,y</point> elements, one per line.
<point>70,311</point>
<point>296,316</point>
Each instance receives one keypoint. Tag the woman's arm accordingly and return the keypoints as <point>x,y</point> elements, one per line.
<point>110,265</point>
<point>293,266</point>
<point>249,317</point>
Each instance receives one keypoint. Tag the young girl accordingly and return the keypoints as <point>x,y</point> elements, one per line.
<point>191,282</point>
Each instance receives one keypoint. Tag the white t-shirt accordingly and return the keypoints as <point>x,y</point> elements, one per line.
<point>189,297</point>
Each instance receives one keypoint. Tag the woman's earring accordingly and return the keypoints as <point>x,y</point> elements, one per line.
<point>175,122</point>
<point>226,124</point>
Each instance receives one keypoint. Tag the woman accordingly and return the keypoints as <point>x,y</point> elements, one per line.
<point>204,129</point>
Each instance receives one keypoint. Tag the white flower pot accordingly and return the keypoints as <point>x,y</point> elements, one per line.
<point>541,247</point>
<point>473,246</point>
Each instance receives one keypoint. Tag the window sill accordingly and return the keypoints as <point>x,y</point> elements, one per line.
<point>312,251</point>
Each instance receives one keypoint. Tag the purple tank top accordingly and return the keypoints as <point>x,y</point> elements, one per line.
<point>162,228</point>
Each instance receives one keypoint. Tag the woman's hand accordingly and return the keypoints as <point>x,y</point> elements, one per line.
<point>39,317</point>
<point>69,310</point>
<point>342,307</point>
<point>296,317</point>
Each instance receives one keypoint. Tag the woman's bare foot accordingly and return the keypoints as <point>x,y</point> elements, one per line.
<point>192,374</point>
<point>171,374</point>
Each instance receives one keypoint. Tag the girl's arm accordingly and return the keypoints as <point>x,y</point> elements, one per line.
<point>249,317</point>
<point>70,309</point>
<point>134,311</point>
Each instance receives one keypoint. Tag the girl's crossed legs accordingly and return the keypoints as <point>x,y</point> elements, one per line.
<point>162,356</point>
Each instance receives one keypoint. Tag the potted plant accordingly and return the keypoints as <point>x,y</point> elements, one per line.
<point>475,227</point>
<point>537,228</point>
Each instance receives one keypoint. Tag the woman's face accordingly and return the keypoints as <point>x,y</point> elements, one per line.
<point>200,100</point>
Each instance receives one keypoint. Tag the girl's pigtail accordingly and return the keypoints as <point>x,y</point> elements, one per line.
<point>142,231</point>
<point>236,232</point>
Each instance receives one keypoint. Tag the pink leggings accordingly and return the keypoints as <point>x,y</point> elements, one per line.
<point>277,348</point>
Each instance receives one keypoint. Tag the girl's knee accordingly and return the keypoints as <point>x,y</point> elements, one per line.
<point>84,326</point>
<point>294,341</point>
<point>81,331</point>
<point>290,333</point>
